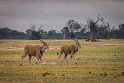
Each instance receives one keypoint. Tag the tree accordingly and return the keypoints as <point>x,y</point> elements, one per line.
<point>81,33</point>
<point>120,33</point>
<point>65,31</point>
<point>29,33</point>
<point>121,27</point>
<point>32,33</point>
<point>71,27</point>
<point>4,32</point>
<point>94,27</point>
<point>40,33</point>
<point>32,27</point>
<point>52,34</point>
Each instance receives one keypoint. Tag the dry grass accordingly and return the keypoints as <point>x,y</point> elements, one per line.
<point>98,62</point>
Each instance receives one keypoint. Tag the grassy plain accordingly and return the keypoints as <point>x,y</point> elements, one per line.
<point>98,62</point>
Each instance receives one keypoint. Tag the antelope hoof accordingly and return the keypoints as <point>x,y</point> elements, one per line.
<point>67,62</point>
<point>20,64</point>
<point>36,62</point>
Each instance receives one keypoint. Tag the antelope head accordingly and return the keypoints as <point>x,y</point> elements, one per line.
<point>45,46</point>
<point>77,43</point>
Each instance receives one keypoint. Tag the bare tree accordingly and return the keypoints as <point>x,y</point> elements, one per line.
<point>33,27</point>
<point>93,26</point>
<point>33,33</point>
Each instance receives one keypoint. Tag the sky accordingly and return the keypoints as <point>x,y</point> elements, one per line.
<point>54,14</point>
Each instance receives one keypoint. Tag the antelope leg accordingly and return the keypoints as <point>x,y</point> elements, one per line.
<point>30,59</point>
<point>66,58</point>
<point>23,58</point>
<point>73,57</point>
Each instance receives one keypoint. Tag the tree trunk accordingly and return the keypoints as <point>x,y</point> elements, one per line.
<point>91,36</point>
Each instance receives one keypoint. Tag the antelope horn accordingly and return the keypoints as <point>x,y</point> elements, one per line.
<point>43,42</point>
<point>76,41</point>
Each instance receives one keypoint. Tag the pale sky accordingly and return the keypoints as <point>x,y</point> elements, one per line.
<point>53,14</point>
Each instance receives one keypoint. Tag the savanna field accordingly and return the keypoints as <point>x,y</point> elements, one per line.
<point>98,62</point>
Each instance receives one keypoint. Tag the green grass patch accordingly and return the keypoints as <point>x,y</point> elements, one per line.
<point>100,51</point>
<point>11,52</point>
<point>98,62</point>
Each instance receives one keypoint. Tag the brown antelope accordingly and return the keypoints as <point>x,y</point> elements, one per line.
<point>69,49</point>
<point>36,50</point>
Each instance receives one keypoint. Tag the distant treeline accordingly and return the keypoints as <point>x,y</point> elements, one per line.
<point>93,30</point>
<point>6,33</point>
